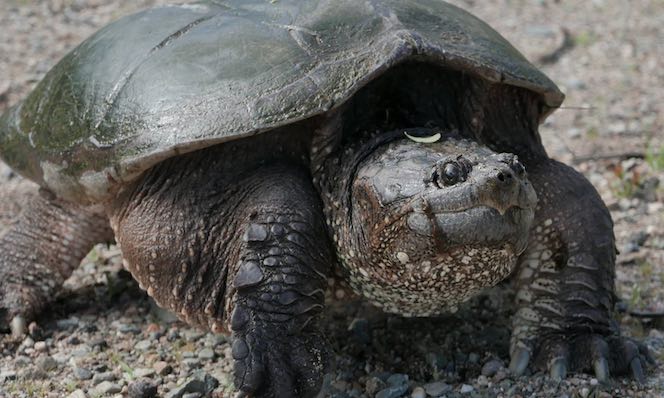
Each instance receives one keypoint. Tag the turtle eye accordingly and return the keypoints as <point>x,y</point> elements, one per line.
<point>451,173</point>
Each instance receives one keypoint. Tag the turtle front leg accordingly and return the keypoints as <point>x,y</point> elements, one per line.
<point>42,240</point>
<point>245,253</point>
<point>565,284</point>
<point>277,293</point>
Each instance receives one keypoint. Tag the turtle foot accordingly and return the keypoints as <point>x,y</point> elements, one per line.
<point>604,356</point>
<point>267,365</point>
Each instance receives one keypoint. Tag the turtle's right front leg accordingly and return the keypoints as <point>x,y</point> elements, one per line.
<point>277,292</point>
<point>247,255</point>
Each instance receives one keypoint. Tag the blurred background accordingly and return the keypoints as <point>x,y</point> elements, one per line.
<point>105,336</point>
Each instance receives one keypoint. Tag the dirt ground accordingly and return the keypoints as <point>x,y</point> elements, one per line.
<point>103,337</point>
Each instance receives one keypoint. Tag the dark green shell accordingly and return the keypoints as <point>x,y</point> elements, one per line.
<point>178,78</point>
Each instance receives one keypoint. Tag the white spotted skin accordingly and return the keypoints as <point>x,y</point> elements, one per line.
<point>433,286</point>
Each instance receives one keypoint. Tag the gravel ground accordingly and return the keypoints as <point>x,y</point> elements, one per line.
<point>104,337</point>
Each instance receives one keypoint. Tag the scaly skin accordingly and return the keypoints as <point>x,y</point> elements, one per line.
<point>240,250</point>
<point>45,240</point>
<point>565,284</point>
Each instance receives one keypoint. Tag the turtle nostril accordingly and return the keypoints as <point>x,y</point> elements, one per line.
<point>504,176</point>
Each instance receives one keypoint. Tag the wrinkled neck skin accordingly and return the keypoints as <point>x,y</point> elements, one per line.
<point>403,257</point>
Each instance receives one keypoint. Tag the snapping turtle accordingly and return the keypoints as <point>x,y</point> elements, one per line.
<point>242,153</point>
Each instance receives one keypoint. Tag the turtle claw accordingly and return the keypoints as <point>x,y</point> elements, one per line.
<point>601,367</point>
<point>603,356</point>
<point>558,369</point>
<point>637,371</point>
<point>18,327</point>
<point>520,360</point>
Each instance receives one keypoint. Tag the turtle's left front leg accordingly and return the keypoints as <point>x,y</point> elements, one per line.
<point>565,284</point>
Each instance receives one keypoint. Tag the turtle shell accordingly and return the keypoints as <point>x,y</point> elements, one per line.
<point>174,79</point>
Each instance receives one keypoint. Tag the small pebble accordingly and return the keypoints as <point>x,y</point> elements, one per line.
<point>392,391</point>
<point>143,372</point>
<point>397,379</point>
<point>40,346</point>
<point>482,381</point>
<point>77,394</point>
<point>142,388</point>
<point>106,387</point>
<point>143,345</point>
<point>201,383</point>
<point>7,375</point>
<point>46,364</point>
<point>437,388</point>
<point>418,392</point>
<point>191,363</point>
<point>206,354</point>
<point>373,385</point>
<point>103,376</point>
<point>162,368</point>
<point>491,367</point>
<point>465,389</point>
<point>82,373</point>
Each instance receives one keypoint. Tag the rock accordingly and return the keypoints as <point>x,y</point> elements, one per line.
<point>103,376</point>
<point>201,383</point>
<point>98,342</point>
<point>106,387</point>
<point>438,388</point>
<point>206,354</point>
<point>143,372</point>
<point>340,385</point>
<point>392,391</point>
<point>69,323</point>
<point>373,385</point>
<point>81,351</point>
<point>142,388</point>
<point>82,374</point>
<point>192,395</point>
<point>482,381</point>
<point>77,394</point>
<point>143,345</point>
<point>473,357</point>
<point>465,389</point>
<point>7,375</point>
<point>397,379</point>
<point>360,329</point>
<point>491,367</point>
<point>418,392</point>
<point>128,329</point>
<point>162,368</point>
<point>192,334</point>
<point>191,363</point>
<point>40,346</point>
<point>46,364</point>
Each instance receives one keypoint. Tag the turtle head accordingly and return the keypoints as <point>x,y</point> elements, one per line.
<point>435,221</point>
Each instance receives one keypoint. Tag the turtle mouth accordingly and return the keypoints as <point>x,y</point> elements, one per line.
<point>480,226</point>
